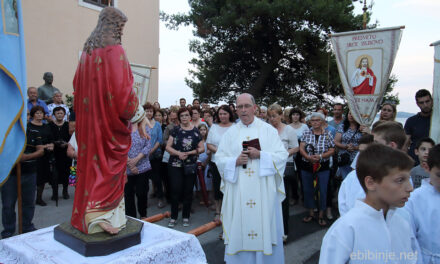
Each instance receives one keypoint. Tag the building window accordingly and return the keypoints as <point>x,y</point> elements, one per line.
<point>100,3</point>
<point>97,5</point>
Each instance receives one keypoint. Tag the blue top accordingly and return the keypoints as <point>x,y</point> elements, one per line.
<point>40,103</point>
<point>139,145</point>
<point>156,136</point>
<point>331,129</point>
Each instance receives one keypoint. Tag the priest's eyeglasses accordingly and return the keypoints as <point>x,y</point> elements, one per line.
<point>244,106</point>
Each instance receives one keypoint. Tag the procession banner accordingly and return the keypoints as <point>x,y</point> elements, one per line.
<point>365,59</point>
<point>435,119</point>
<point>141,85</point>
<point>12,87</point>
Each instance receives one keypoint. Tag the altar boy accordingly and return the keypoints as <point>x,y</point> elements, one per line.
<point>424,210</point>
<point>372,231</point>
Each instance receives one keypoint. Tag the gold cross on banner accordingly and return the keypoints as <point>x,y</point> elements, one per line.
<point>251,203</point>
<point>249,172</point>
<point>252,235</point>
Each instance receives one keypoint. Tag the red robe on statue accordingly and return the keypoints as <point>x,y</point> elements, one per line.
<point>365,87</point>
<point>104,104</point>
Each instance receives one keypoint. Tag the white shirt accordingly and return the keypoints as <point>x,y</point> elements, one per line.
<point>364,235</point>
<point>349,192</point>
<point>289,139</point>
<point>424,210</point>
<point>299,131</point>
<point>215,134</point>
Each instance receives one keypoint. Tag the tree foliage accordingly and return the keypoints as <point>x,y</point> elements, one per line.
<point>277,50</point>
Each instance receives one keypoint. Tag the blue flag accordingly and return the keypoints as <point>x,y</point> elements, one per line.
<point>13,112</point>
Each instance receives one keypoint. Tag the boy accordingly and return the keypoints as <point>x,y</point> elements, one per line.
<point>421,149</point>
<point>372,231</point>
<point>424,210</point>
<point>387,133</point>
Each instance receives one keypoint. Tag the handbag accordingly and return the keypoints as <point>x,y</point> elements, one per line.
<point>189,169</point>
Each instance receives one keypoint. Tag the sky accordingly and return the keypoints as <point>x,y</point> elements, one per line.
<point>413,65</point>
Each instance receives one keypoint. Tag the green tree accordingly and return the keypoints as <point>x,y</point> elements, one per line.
<point>277,50</point>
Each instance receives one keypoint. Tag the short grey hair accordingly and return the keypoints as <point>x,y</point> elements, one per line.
<point>316,114</point>
<point>57,92</point>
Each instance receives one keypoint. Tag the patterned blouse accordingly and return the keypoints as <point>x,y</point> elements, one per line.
<point>184,141</point>
<point>317,144</point>
<point>349,136</point>
<point>140,145</point>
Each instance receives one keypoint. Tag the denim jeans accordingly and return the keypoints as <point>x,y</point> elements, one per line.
<point>9,199</point>
<point>309,190</point>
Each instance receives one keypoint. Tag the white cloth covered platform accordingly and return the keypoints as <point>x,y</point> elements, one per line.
<point>158,245</point>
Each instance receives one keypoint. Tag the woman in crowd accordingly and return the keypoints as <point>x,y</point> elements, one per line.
<point>347,141</point>
<point>155,154</point>
<point>45,163</point>
<point>60,132</point>
<point>290,141</point>
<point>156,105</point>
<point>295,117</point>
<point>388,112</point>
<point>226,119</point>
<point>195,116</point>
<point>316,147</point>
<point>138,165</point>
<point>184,144</point>
<point>207,117</point>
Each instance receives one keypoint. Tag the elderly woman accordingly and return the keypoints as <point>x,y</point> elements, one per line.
<point>347,141</point>
<point>288,137</point>
<point>184,144</point>
<point>388,112</point>
<point>138,165</point>
<point>316,147</point>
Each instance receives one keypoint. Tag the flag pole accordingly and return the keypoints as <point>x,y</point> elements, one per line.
<point>19,198</point>
<point>365,14</point>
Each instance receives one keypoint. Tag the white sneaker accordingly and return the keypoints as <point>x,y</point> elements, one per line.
<point>185,222</point>
<point>172,223</point>
<point>329,215</point>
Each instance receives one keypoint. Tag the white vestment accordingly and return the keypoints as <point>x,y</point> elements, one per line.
<point>424,209</point>
<point>364,235</point>
<point>349,192</point>
<point>251,209</point>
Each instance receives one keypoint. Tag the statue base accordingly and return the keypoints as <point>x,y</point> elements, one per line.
<point>99,244</point>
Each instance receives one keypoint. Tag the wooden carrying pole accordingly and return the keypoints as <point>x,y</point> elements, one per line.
<point>205,228</point>
<point>157,217</point>
<point>19,198</point>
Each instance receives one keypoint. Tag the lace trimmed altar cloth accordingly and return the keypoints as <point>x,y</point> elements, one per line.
<point>158,245</point>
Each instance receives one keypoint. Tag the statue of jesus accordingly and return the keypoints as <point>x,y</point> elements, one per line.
<point>106,107</point>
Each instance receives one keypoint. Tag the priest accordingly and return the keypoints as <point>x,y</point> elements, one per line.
<point>106,106</point>
<point>253,188</point>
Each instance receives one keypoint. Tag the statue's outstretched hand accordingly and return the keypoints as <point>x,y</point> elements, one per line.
<point>142,128</point>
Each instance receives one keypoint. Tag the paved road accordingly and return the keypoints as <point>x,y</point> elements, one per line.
<point>303,243</point>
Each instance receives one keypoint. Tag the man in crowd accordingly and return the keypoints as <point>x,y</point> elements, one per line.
<point>34,149</point>
<point>263,113</point>
<point>417,126</point>
<point>196,103</point>
<point>252,220</point>
<point>182,102</point>
<point>338,109</point>
<point>58,102</point>
<point>34,101</point>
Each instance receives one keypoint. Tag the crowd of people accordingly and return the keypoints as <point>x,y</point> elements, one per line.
<point>180,157</point>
